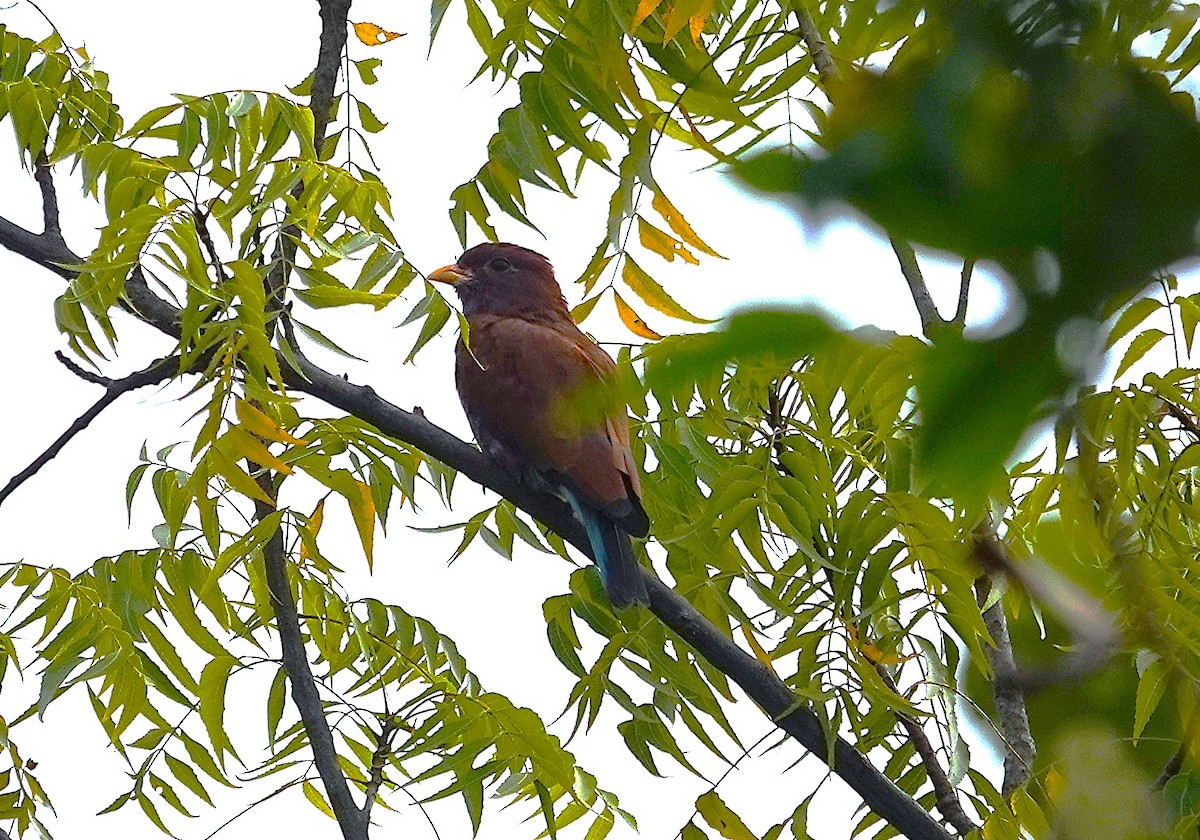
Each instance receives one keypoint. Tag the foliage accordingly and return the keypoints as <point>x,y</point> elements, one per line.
<point>817,495</point>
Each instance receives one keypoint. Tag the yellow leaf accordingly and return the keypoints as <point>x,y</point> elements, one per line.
<point>362,508</point>
<point>644,10</point>
<point>696,22</point>
<point>237,478</point>
<point>663,244</point>
<point>373,35</point>
<point>702,142</point>
<point>679,225</point>
<point>315,520</point>
<point>648,289</point>
<point>759,652</point>
<point>263,426</point>
<point>681,12</point>
<point>239,443</point>
<point>634,321</point>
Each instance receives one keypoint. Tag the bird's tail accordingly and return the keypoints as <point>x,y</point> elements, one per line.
<point>619,569</point>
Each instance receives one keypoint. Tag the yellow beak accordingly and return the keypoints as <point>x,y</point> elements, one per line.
<point>452,274</point>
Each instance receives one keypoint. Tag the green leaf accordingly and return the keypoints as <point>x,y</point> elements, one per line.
<point>1152,684</point>
<point>314,796</point>
<point>717,814</point>
<point>1142,344</point>
<point>366,69</point>
<point>212,694</point>
<point>323,297</point>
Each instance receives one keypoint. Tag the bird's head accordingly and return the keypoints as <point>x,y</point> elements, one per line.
<point>497,278</point>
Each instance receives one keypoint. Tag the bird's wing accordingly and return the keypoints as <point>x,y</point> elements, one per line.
<point>545,395</point>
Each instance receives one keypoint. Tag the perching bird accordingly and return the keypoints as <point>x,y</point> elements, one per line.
<point>540,398</point>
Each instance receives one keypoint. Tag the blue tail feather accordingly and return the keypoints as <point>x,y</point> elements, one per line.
<point>613,550</point>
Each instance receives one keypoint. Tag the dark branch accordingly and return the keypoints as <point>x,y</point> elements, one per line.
<point>1185,420</point>
<point>45,180</point>
<point>334,14</point>
<point>201,223</point>
<point>1172,768</point>
<point>350,818</point>
<point>158,372</point>
<point>46,251</point>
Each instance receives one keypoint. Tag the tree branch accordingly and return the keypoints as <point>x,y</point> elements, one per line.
<point>1093,629</point>
<point>1012,719</point>
<point>350,818</point>
<point>334,15</point>
<point>44,250</point>
<point>932,323</point>
<point>45,180</point>
<point>947,797</point>
<point>383,748</point>
<point>161,370</point>
<point>353,821</point>
<point>818,50</point>
<point>964,290</point>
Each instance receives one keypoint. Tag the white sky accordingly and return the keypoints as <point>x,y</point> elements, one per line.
<point>73,512</point>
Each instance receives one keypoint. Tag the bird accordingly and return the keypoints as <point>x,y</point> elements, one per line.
<point>542,401</point>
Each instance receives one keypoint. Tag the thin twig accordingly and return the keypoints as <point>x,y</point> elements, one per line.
<point>202,232</point>
<point>157,372</point>
<point>1186,420</point>
<point>1172,768</point>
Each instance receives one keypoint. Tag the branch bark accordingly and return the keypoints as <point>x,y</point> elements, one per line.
<point>1012,719</point>
<point>51,228</point>
<point>334,17</point>
<point>818,50</point>
<point>932,323</point>
<point>350,818</point>
<point>353,821</point>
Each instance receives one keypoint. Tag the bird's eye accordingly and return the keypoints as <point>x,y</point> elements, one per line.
<point>500,264</point>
